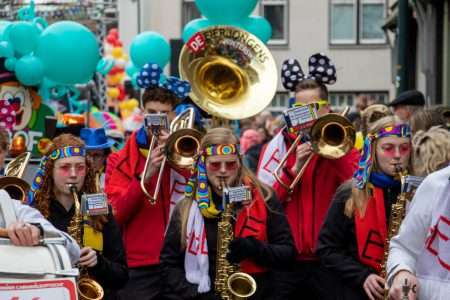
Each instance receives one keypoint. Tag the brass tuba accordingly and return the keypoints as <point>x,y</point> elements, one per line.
<point>87,288</point>
<point>232,73</point>
<point>13,183</point>
<point>332,136</point>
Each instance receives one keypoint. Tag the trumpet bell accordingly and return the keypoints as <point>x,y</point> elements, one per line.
<point>233,75</point>
<point>332,136</point>
<point>182,147</point>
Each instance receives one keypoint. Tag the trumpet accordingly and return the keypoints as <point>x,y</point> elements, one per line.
<point>182,146</point>
<point>332,136</point>
<point>87,288</point>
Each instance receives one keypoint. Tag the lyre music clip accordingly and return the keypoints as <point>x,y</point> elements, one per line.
<point>300,117</point>
<point>237,194</point>
<point>94,204</point>
<point>156,122</point>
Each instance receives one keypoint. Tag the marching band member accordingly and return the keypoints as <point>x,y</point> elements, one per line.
<point>418,263</point>
<point>143,224</point>
<point>306,205</point>
<point>31,226</point>
<point>98,147</point>
<point>352,238</point>
<point>66,165</point>
<point>431,153</point>
<point>262,238</point>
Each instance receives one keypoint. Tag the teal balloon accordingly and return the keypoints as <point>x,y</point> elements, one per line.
<point>29,70</point>
<point>10,64</point>
<point>131,69</point>
<point>149,47</point>
<point>3,25</point>
<point>259,27</point>
<point>6,49</point>
<point>195,26</point>
<point>69,53</point>
<point>23,36</point>
<point>226,11</point>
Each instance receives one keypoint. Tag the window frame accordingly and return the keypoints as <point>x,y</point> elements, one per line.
<point>285,3</point>
<point>358,5</point>
<point>182,19</point>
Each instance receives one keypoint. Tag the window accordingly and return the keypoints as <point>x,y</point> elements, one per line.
<point>280,102</point>
<point>357,21</point>
<point>189,12</point>
<point>343,99</point>
<point>276,12</point>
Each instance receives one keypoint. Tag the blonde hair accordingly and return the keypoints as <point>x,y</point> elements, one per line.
<point>431,150</point>
<point>358,199</point>
<point>372,114</point>
<point>425,119</point>
<point>217,136</point>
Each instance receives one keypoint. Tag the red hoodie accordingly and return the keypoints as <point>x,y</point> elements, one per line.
<point>307,206</point>
<point>143,225</point>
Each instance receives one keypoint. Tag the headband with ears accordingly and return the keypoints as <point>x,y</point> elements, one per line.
<point>321,69</point>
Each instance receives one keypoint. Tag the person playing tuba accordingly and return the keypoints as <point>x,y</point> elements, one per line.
<point>66,166</point>
<point>262,238</point>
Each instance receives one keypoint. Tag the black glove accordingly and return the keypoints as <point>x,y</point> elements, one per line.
<point>209,296</point>
<point>242,248</point>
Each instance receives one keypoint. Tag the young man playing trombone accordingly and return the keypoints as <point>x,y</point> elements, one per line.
<point>306,204</point>
<point>129,184</point>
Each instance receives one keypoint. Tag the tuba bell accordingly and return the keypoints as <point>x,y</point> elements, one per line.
<point>13,183</point>
<point>232,73</point>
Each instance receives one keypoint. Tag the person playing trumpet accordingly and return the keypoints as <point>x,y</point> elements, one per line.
<point>144,223</point>
<point>307,203</point>
<point>262,239</point>
<point>65,166</point>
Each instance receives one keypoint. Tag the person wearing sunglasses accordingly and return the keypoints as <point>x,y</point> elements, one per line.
<point>103,253</point>
<point>307,203</point>
<point>262,239</point>
<point>353,237</point>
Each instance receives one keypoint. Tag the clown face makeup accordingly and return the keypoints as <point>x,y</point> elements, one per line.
<point>393,152</point>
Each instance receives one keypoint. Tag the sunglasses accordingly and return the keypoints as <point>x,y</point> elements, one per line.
<point>317,105</point>
<point>65,170</point>
<point>217,165</point>
<point>391,150</point>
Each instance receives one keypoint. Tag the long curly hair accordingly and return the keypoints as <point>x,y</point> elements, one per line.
<point>45,194</point>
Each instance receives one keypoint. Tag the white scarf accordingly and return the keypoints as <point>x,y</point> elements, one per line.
<point>196,262</point>
<point>271,158</point>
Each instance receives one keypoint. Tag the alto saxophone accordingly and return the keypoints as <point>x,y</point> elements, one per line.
<point>398,211</point>
<point>87,288</point>
<point>230,283</point>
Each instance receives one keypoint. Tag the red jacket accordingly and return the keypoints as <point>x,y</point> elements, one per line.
<point>308,204</point>
<point>143,225</point>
